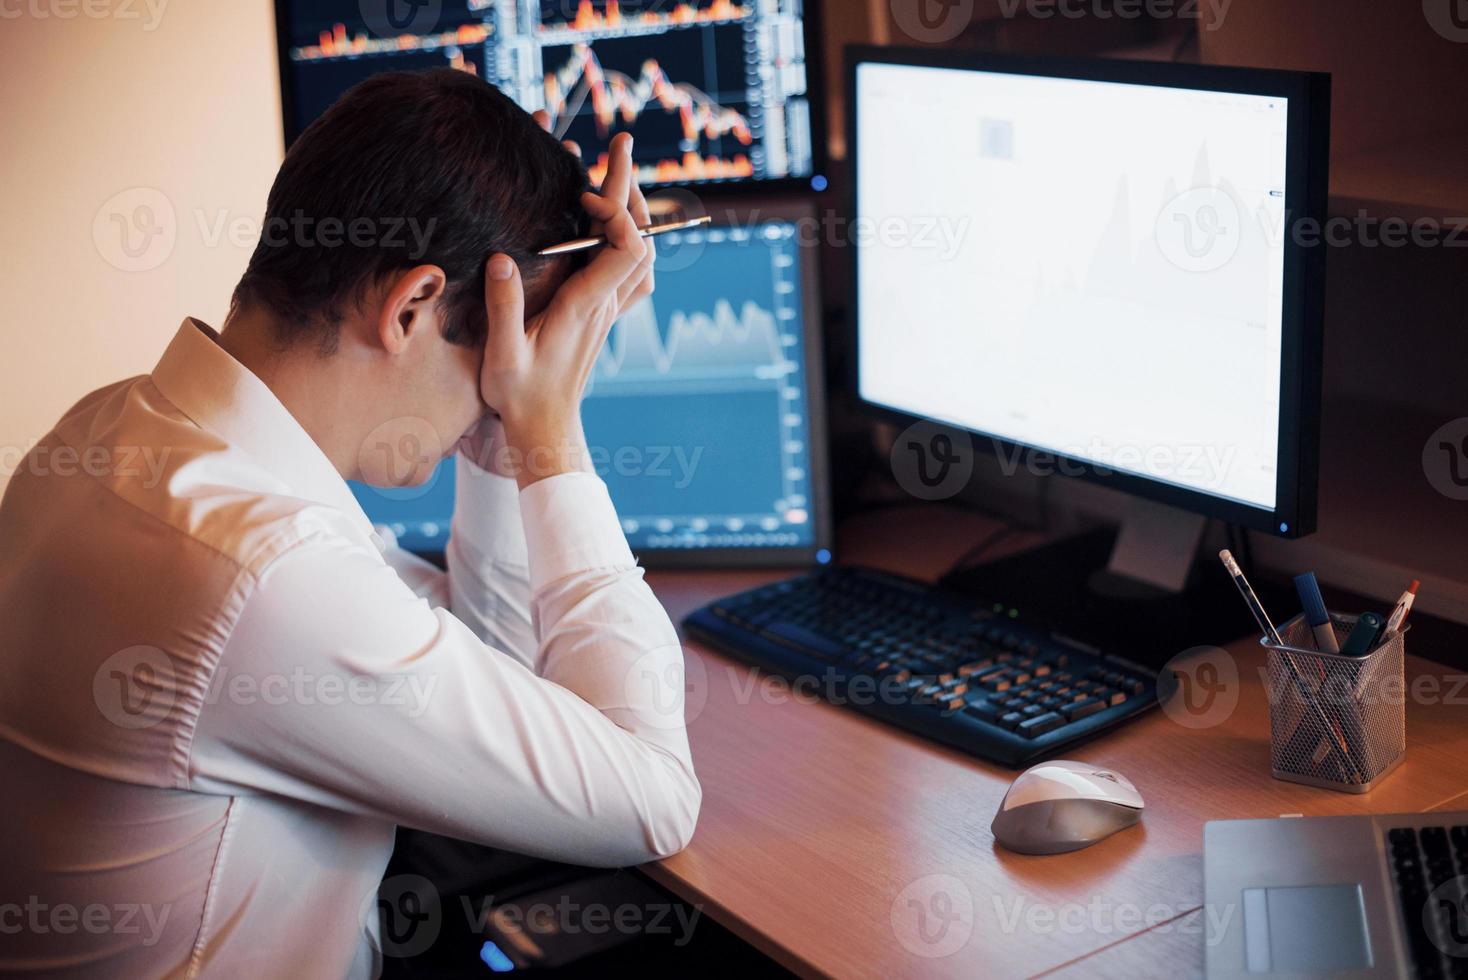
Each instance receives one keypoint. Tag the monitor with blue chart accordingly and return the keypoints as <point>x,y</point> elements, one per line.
<point>703,412</point>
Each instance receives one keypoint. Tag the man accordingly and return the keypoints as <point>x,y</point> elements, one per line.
<point>222,688</point>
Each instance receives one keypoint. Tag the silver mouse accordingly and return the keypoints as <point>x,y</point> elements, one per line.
<point>1062,806</point>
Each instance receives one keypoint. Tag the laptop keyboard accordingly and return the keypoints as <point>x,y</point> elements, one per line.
<point>1430,867</point>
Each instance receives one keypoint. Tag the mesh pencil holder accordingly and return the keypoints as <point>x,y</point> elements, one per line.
<point>1335,721</point>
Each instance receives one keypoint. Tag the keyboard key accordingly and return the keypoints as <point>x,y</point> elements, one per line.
<point>984,710</point>
<point>1040,724</point>
<point>1011,720</point>
<point>1084,709</point>
<point>805,640</point>
<point>1402,836</point>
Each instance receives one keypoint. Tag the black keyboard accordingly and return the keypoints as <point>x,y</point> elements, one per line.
<point>1430,868</point>
<point>968,675</point>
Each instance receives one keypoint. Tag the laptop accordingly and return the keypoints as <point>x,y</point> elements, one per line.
<point>1359,896</point>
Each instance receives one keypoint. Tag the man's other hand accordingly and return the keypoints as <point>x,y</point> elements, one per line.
<point>535,372</point>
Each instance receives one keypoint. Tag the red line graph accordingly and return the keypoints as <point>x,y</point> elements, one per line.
<point>689,167</point>
<point>615,95</point>
<point>587,18</point>
<point>336,43</point>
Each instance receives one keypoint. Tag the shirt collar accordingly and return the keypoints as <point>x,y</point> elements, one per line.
<point>223,396</point>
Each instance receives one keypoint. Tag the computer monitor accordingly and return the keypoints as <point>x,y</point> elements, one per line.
<point>714,91</point>
<point>704,411</point>
<point>1104,267</point>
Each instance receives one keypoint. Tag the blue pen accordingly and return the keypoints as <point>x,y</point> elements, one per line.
<point>1315,613</point>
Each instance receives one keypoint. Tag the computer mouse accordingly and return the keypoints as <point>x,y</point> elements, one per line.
<point>1062,806</point>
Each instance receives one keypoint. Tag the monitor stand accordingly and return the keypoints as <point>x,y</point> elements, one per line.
<point>1140,591</point>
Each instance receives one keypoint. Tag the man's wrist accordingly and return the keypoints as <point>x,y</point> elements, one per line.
<point>535,452</point>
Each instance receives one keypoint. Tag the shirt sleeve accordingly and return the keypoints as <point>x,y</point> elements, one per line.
<point>489,569</point>
<point>342,688</point>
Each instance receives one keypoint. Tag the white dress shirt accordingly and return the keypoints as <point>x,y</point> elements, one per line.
<point>222,689</point>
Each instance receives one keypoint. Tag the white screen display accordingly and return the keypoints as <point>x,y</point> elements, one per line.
<point>1087,268</point>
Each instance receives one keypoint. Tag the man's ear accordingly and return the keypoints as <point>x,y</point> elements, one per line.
<point>410,307</point>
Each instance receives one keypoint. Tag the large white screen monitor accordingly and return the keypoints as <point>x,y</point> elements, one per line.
<point>1103,261</point>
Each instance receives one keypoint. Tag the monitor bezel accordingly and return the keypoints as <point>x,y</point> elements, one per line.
<point>1306,190</point>
<point>815,95</point>
<point>749,214</point>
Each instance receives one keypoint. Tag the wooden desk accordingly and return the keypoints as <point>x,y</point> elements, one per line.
<point>826,835</point>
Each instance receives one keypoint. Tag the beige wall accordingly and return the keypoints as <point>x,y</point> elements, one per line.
<point>182,101</point>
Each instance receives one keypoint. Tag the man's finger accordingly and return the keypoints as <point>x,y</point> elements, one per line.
<point>542,118</point>
<point>637,205</point>
<point>504,305</point>
<point>639,283</point>
<point>593,290</point>
<point>618,182</point>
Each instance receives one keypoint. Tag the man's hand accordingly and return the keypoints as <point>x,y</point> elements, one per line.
<point>535,373</point>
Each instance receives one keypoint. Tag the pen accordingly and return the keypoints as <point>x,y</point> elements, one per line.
<point>1247,591</point>
<point>1363,634</point>
<point>1315,613</point>
<point>1399,612</point>
<point>596,241</point>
